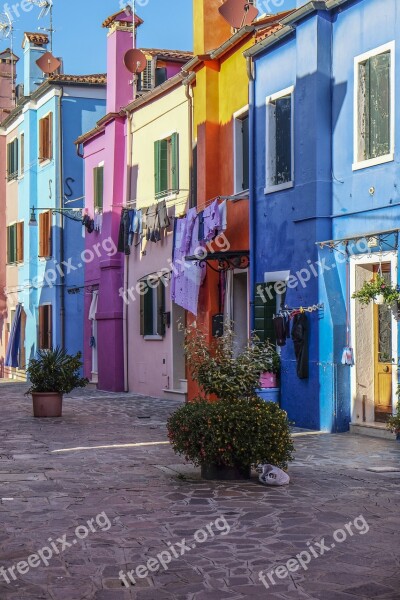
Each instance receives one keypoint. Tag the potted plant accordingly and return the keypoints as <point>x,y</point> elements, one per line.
<point>393,423</point>
<point>52,374</point>
<point>377,290</point>
<point>269,379</point>
<point>228,428</point>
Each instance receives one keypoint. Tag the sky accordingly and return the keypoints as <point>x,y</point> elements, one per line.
<point>81,41</point>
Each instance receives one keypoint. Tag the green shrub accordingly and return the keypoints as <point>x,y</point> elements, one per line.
<point>393,423</point>
<point>55,371</point>
<point>231,432</point>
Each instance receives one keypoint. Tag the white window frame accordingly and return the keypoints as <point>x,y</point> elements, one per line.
<point>270,136</point>
<point>379,160</point>
<point>238,149</point>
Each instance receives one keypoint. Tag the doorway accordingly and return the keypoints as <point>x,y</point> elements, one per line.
<point>374,334</point>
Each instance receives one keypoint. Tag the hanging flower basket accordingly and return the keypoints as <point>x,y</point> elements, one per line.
<point>378,290</point>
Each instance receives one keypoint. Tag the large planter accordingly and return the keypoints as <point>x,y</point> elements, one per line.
<point>47,405</point>
<point>222,473</point>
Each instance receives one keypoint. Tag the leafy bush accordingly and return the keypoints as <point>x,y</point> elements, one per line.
<point>231,432</point>
<point>375,287</point>
<point>55,371</point>
<point>393,423</point>
<point>221,371</point>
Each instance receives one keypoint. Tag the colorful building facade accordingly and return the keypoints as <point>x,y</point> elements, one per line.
<point>44,184</point>
<point>105,150</point>
<point>323,187</point>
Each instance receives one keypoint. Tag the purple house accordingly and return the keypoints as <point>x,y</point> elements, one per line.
<point>104,151</point>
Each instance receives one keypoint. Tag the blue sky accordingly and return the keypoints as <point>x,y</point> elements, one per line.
<point>81,41</point>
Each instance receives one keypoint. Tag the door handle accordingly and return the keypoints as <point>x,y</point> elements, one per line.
<point>386,369</point>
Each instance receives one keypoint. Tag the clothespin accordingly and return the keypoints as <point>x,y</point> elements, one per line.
<point>301,309</point>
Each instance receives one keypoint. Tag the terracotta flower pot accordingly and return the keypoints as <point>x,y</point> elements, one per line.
<point>222,473</point>
<point>47,404</point>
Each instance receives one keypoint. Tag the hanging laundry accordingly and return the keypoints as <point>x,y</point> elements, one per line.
<point>123,237</point>
<point>212,221</point>
<point>187,276</point>
<point>162,215</point>
<point>279,323</point>
<point>98,222</point>
<point>223,215</point>
<point>300,340</point>
<point>88,223</point>
<point>151,223</point>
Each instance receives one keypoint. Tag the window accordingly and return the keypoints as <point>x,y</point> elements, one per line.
<point>152,308</point>
<point>98,187</point>
<point>46,138</point>
<point>161,75</point>
<point>279,141</point>
<point>45,234</point>
<point>166,165</point>
<point>241,152</point>
<point>12,160</point>
<point>45,327</point>
<point>268,299</point>
<point>374,97</point>
<point>15,243</point>
<point>22,154</point>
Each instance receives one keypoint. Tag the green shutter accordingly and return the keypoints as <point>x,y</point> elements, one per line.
<point>160,308</point>
<point>9,161</point>
<point>146,320</point>
<point>141,314</point>
<point>164,187</point>
<point>16,157</point>
<point>157,154</point>
<point>379,105</point>
<point>11,244</point>
<point>175,162</point>
<point>264,310</point>
<point>98,176</point>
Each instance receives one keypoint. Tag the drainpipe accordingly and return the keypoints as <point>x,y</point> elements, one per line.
<point>62,220</point>
<point>252,199</point>
<point>187,84</point>
<point>126,258</point>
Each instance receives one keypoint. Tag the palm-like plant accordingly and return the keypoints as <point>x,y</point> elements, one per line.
<point>55,371</point>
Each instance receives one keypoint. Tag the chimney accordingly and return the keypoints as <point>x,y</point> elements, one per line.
<point>8,69</point>
<point>121,37</point>
<point>34,45</point>
<point>210,29</point>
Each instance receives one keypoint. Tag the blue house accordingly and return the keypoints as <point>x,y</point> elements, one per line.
<point>45,249</point>
<point>324,207</point>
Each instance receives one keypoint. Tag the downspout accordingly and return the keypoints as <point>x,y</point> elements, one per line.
<point>250,74</point>
<point>126,257</point>
<point>62,221</point>
<point>187,84</point>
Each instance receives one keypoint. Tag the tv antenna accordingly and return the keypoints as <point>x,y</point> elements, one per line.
<point>46,7</point>
<point>6,32</point>
<point>238,13</point>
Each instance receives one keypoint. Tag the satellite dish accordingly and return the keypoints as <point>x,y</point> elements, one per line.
<point>238,13</point>
<point>5,26</point>
<point>48,63</point>
<point>135,61</point>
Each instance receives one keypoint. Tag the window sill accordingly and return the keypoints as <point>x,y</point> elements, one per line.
<point>153,338</point>
<point>271,189</point>
<point>45,162</point>
<point>373,162</point>
<point>167,196</point>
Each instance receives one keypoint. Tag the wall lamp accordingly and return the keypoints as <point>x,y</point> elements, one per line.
<point>74,214</point>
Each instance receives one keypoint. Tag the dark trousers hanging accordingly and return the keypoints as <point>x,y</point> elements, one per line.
<point>300,341</point>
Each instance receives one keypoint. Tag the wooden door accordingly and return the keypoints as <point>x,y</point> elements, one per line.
<point>383,363</point>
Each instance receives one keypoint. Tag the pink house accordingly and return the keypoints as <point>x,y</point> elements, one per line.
<point>104,150</point>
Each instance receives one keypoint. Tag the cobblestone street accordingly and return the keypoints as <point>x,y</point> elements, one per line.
<point>108,455</point>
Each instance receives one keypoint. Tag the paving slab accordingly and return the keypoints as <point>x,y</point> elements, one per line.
<point>101,490</point>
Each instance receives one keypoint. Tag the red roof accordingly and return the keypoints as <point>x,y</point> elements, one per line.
<point>183,55</point>
<point>96,79</point>
<point>40,39</point>
<point>122,15</point>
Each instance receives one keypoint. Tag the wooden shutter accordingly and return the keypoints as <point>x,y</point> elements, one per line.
<point>264,310</point>
<point>47,233</point>
<point>9,244</point>
<point>141,314</point>
<point>160,308</point>
<point>20,242</point>
<point>45,327</point>
<point>175,162</point>
<point>41,139</point>
<point>49,326</point>
<point>8,162</point>
<point>50,136</point>
<point>146,312</point>
<point>98,177</point>
<point>157,157</point>
<point>41,234</point>
<point>379,105</point>
<point>283,117</point>
<point>22,154</point>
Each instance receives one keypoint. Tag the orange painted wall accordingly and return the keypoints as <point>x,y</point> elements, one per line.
<point>221,89</point>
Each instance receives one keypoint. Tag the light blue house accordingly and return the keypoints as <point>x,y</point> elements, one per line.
<point>325,205</point>
<point>45,264</point>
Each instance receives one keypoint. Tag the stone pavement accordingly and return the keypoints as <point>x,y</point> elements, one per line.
<point>56,475</point>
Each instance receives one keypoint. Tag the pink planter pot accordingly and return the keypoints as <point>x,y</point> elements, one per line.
<point>268,380</point>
